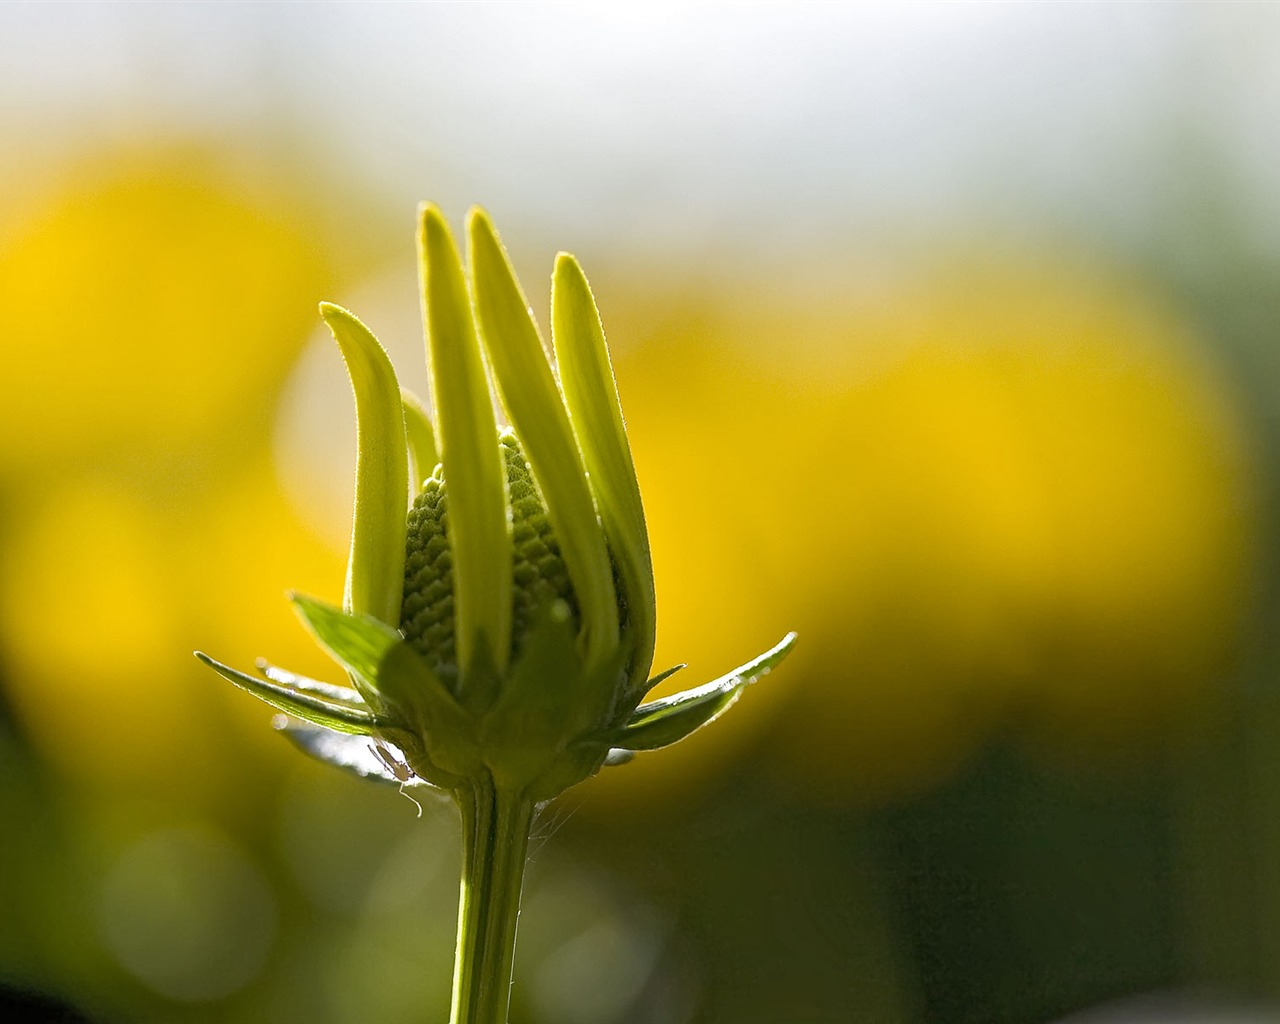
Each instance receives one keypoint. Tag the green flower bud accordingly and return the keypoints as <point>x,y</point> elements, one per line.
<point>501,629</point>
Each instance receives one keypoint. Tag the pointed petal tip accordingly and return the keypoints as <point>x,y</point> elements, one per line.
<point>567,264</point>
<point>478,218</point>
<point>483,238</point>
<point>431,223</point>
<point>333,314</point>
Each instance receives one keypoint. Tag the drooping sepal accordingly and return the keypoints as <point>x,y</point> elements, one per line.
<point>663,722</point>
<point>356,755</point>
<point>332,712</point>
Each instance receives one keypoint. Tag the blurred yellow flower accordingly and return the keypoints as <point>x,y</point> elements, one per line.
<point>146,581</point>
<point>147,301</point>
<point>152,309</point>
<point>988,499</point>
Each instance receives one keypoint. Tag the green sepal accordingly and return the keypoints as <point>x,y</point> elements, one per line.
<point>353,754</point>
<point>375,569</point>
<point>663,722</point>
<point>444,750</point>
<point>330,712</point>
<point>280,675</point>
<point>550,698</point>
<point>357,642</point>
<point>662,677</point>
<point>523,729</point>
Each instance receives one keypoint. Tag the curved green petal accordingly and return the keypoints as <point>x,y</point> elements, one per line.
<point>423,453</point>
<point>375,569</point>
<point>591,395</point>
<point>479,535</point>
<point>532,400</point>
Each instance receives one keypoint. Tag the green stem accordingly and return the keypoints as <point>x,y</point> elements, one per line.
<point>495,831</point>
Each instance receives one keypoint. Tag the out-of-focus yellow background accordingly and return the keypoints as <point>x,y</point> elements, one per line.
<point>947,335</point>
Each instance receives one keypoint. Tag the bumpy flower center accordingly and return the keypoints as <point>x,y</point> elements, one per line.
<point>538,572</point>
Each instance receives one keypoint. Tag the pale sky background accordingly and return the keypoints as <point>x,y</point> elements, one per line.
<point>712,122</point>
<point>677,137</point>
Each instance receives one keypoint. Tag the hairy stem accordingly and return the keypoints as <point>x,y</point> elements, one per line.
<point>495,830</point>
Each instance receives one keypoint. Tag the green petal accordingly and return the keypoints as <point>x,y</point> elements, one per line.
<point>592,399</point>
<point>375,570</point>
<point>479,536</point>
<point>532,400</point>
<point>341,716</point>
<point>423,454</point>
<point>358,642</point>
<point>669,720</point>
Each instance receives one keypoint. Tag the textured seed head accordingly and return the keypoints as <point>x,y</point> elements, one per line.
<point>426,613</point>
<point>538,572</point>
